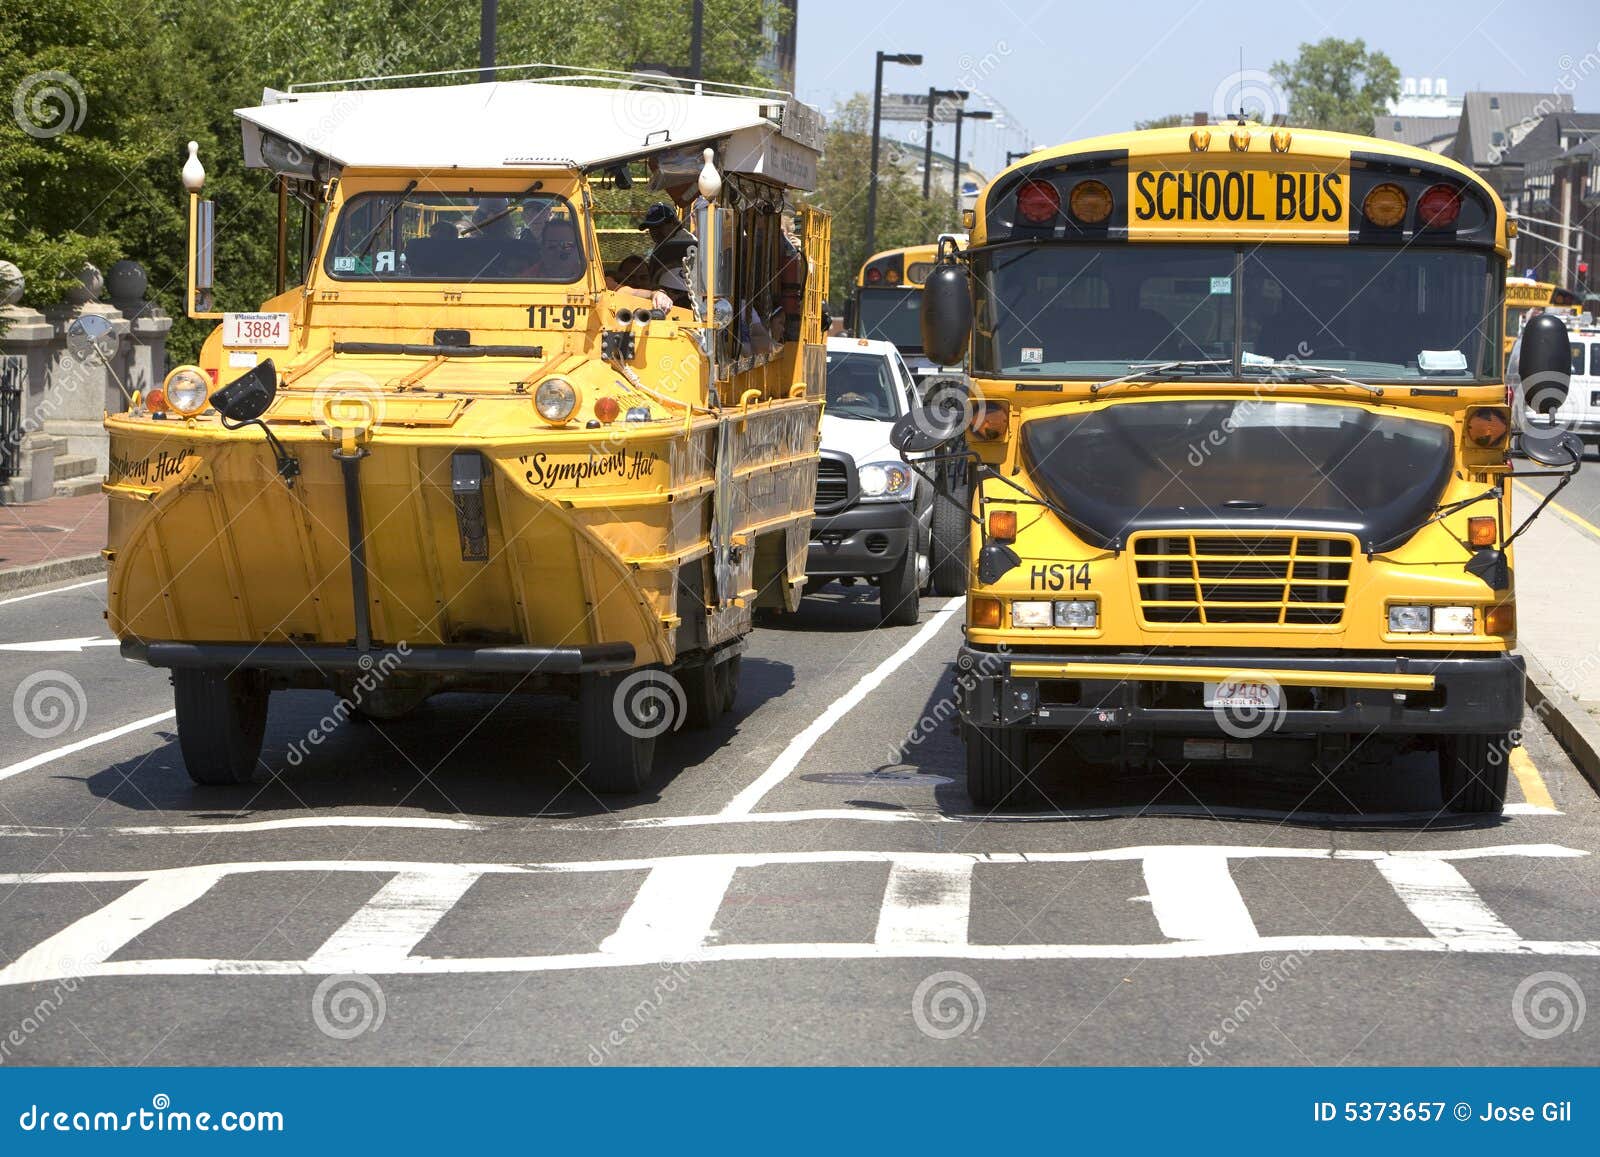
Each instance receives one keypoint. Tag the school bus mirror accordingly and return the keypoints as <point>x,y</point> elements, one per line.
<point>1555,448</point>
<point>1545,364</point>
<point>926,428</point>
<point>995,561</point>
<point>946,315</point>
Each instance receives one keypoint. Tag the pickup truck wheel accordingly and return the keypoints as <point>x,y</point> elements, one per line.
<point>999,770</point>
<point>222,720</point>
<point>617,753</point>
<point>948,551</point>
<point>1472,773</point>
<point>898,590</point>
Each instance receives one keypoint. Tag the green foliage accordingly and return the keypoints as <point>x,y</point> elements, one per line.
<point>157,74</point>
<point>1171,120</point>
<point>1337,84</point>
<point>904,218</point>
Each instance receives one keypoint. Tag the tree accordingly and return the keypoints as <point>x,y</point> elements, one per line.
<point>1171,120</point>
<point>904,218</point>
<point>1339,85</point>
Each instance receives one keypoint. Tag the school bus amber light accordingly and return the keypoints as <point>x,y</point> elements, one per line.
<point>1385,206</point>
<point>1482,530</point>
<point>984,613</point>
<point>1090,202</point>
<point>1003,525</point>
<point>1487,428</point>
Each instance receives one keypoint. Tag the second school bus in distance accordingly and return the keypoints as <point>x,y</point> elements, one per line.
<point>1242,437</point>
<point>888,305</point>
<point>1526,297</point>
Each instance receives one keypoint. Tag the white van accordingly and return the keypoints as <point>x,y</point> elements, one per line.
<point>1580,413</point>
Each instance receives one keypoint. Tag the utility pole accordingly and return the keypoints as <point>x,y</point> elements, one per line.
<point>697,41</point>
<point>487,13</point>
<point>955,180</point>
<point>934,95</point>
<point>911,58</point>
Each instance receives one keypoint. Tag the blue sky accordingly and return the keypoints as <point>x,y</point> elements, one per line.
<point>1069,70</point>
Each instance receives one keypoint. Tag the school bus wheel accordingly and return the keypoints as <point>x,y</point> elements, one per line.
<point>616,754</point>
<point>1000,767</point>
<point>222,720</point>
<point>1472,773</point>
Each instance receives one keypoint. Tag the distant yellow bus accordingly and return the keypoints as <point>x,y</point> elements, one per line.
<point>889,300</point>
<point>1524,295</point>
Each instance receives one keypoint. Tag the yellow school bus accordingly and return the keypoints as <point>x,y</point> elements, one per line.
<point>888,303</point>
<point>1525,296</point>
<point>1241,451</point>
<point>457,453</point>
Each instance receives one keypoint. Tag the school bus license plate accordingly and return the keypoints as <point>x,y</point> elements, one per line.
<point>1242,695</point>
<point>256,330</point>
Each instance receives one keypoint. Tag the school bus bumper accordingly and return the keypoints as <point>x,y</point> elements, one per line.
<point>319,659</point>
<point>1403,694</point>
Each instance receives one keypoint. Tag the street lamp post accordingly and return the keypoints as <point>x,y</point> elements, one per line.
<point>955,161</point>
<point>934,96</point>
<point>1012,158</point>
<point>912,58</point>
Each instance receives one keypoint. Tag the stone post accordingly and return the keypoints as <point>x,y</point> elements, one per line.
<point>25,358</point>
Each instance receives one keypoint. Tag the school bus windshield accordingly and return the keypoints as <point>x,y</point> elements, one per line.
<point>1096,310</point>
<point>458,237</point>
<point>891,315</point>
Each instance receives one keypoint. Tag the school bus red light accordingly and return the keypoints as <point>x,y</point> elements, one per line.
<point>1090,202</point>
<point>874,275</point>
<point>1038,202</point>
<point>1439,206</point>
<point>984,613</point>
<point>1003,525</point>
<point>1385,206</point>
<point>1482,530</point>
<point>1487,428</point>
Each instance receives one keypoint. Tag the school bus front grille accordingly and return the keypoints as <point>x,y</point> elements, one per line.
<point>1212,578</point>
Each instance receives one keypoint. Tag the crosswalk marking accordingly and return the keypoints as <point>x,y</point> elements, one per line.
<point>926,903</point>
<point>1194,897</point>
<point>1440,897</point>
<point>395,920</point>
<point>923,913</point>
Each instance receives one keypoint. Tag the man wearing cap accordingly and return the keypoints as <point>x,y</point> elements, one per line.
<point>671,242</point>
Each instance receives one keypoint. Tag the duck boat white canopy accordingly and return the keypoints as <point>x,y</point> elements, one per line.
<point>585,121</point>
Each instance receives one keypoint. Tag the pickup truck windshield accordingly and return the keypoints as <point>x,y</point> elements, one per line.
<point>1239,463</point>
<point>861,385</point>
<point>457,237</point>
<point>1086,311</point>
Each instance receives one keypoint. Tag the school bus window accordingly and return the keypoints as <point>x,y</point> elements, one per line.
<point>891,315</point>
<point>462,237</point>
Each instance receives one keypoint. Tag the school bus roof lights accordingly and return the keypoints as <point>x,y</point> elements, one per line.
<point>1385,206</point>
<point>1199,140</point>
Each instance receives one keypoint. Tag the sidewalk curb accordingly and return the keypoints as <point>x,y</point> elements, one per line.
<point>41,574</point>
<point>1574,728</point>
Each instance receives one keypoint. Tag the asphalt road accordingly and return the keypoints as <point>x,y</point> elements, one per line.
<point>800,885</point>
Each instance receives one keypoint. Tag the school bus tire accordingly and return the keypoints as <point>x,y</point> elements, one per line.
<point>948,550</point>
<point>222,720</point>
<point>1472,773</point>
<point>898,591</point>
<point>615,760</point>
<point>999,767</point>
<point>705,691</point>
<point>728,674</point>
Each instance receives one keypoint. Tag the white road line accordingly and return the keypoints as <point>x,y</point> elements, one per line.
<point>1440,897</point>
<point>1194,897</point>
<point>43,758</point>
<point>246,827</point>
<point>56,591</point>
<point>926,905</point>
<point>394,921</point>
<point>746,801</point>
<point>672,914</point>
<point>88,942</point>
<point>60,646</point>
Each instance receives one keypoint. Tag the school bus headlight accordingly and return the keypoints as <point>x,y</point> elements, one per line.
<point>1090,202</point>
<point>555,399</point>
<point>1409,620</point>
<point>1501,620</point>
<point>1482,530</point>
<point>1452,620</point>
<point>187,390</point>
<point>1487,428</point>
<point>1032,613</point>
<point>1082,614</point>
<point>1385,206</point>
<point>984,613</point>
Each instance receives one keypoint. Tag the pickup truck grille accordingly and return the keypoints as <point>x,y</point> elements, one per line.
<point>1219,578</point>
<point>833,485</point>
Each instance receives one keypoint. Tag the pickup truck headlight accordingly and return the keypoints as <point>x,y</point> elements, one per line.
<point>884,479</point>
